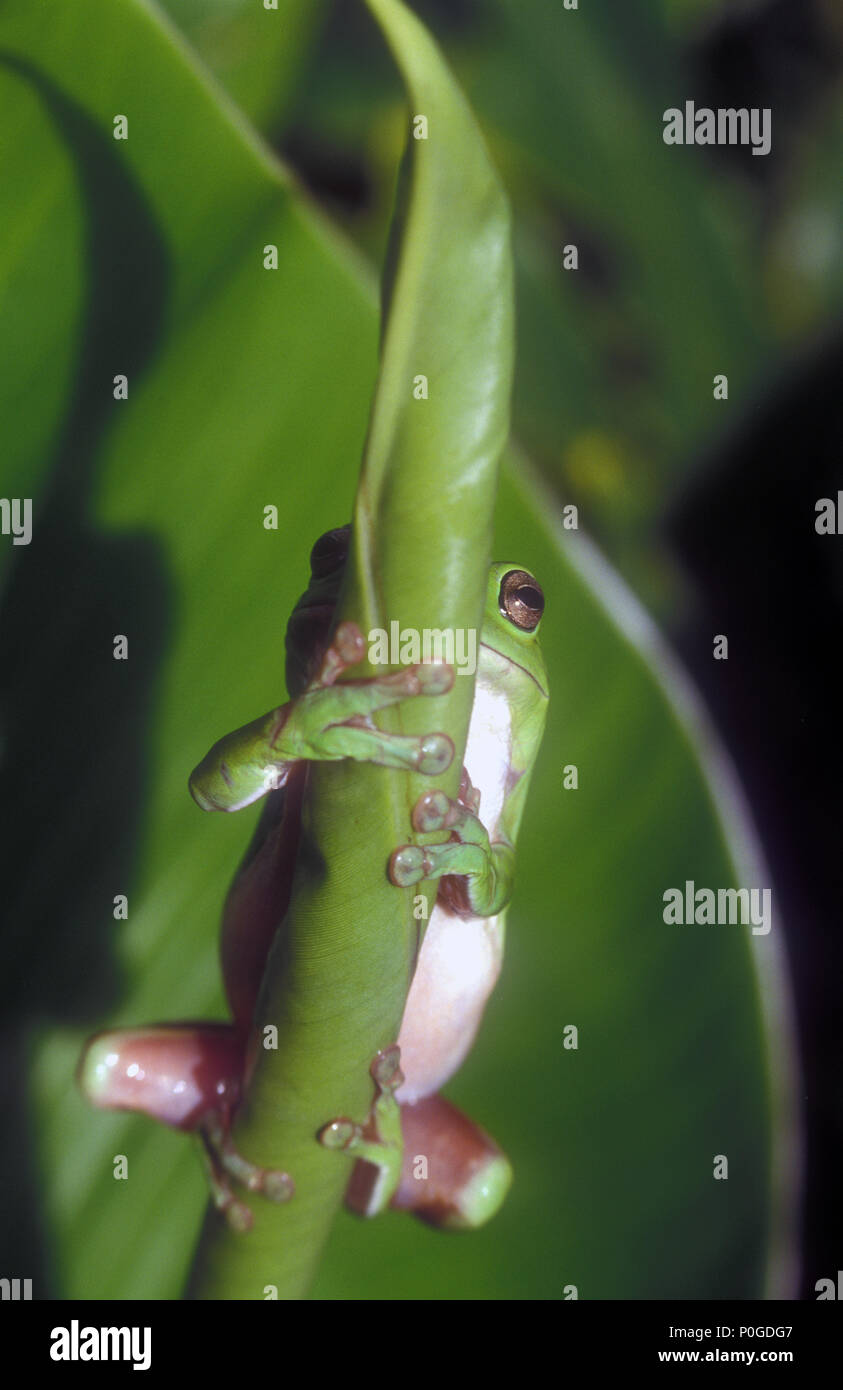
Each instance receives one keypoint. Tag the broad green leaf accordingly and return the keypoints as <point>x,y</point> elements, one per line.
<point>108,267</point>
<point>255,52</point>
<point>248,388</point>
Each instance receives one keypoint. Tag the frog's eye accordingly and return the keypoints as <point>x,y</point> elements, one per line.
<point>521,600</point>
<point>329,552</point>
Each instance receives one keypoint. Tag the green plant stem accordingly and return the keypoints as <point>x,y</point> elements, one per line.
<point>335,987</point>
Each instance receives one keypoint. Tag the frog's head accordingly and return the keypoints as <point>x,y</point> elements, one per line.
<point>514,608</point>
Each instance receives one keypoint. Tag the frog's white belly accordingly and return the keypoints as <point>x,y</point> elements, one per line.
<point>460,958</point>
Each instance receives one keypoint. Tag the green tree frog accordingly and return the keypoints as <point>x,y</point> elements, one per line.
<point>191,1075</point>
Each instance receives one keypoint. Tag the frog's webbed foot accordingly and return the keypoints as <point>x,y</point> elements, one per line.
<point>224,1165</point>
<point>330,722</point>
<point>378,1141</point>
<point>487,869</point>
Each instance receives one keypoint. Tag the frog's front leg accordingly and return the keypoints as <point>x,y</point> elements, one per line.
<point>188,1076</point>
<point>427,1158</point>
<point>327,723</point>
<point>484,871</point>
<point>378,1142</point>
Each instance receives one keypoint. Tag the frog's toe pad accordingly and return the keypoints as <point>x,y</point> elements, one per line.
<point>430,812</point>
<point>238,1217</point>
<point>435,678</point>
<point>386,1069</point>
<point>277,1186</point>
<point>349,644</point>
<point>435,754</point>
<point>407,866</point>
<point>339,1134</point>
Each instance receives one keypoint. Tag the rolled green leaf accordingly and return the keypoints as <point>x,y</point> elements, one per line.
<point>420,551</point>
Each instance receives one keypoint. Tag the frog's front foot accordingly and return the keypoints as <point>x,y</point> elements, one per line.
<point>224,1165</point>
<point>326,723</point>
<point>332,721</point>
<point>487,869</point>
<point>378,1141</point>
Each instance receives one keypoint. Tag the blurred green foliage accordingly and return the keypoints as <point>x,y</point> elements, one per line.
<point>690,263</point>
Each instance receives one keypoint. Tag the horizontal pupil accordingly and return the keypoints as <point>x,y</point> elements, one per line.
<point>531,598</point>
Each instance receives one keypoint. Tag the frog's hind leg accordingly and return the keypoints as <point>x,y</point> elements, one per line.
<point>453,1176</point>
<point>188,1076</point>
<point>223,1164</point>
